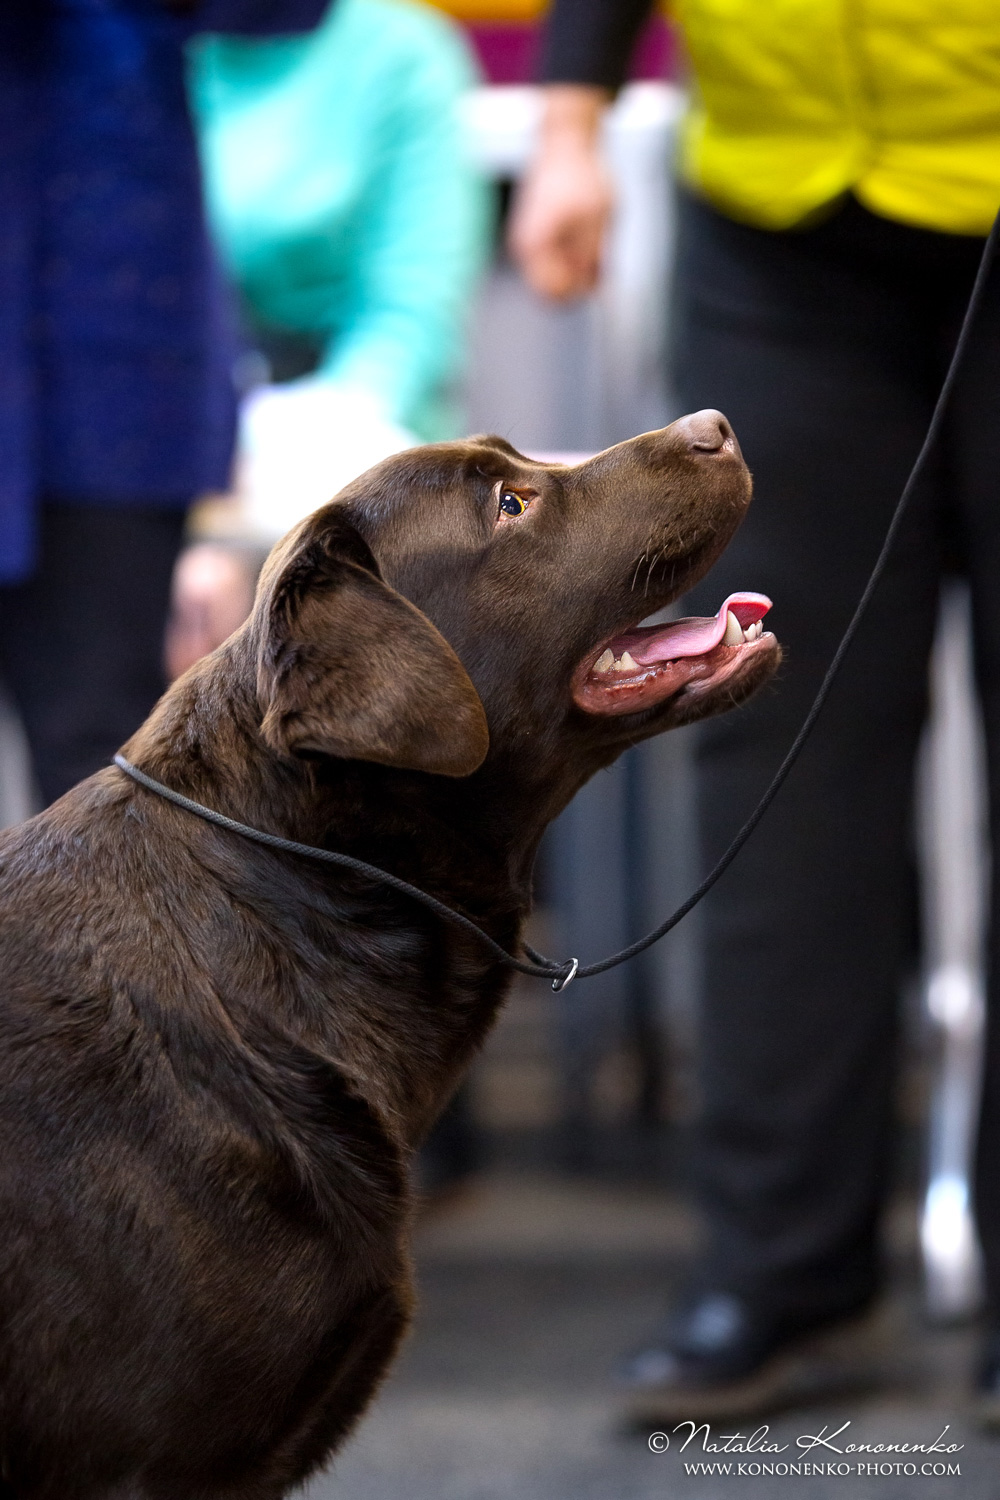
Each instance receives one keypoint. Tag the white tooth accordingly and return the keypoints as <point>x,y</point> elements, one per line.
<point>627,664</point>
<point>604,662</point>
<point>734,633</point>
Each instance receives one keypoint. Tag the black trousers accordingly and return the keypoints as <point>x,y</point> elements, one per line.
<point>826,348</point>
<point>81,642</point>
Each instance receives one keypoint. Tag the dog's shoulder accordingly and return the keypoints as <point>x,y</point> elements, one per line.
<point>134,1006</point>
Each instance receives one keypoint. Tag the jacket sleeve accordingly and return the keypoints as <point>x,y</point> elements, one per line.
<point>254,17</point>
<point>421,239</point>
<point>591,41</point>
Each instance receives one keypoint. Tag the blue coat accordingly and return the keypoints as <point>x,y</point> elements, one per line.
<point>115,335</point>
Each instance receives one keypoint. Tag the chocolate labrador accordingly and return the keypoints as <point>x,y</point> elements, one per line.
<point>217,1058</point>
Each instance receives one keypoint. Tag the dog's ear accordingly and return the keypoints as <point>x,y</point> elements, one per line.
<point>348,667</point>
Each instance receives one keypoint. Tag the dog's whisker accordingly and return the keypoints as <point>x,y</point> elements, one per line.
<point>654,560</point>
<point>635,575</point>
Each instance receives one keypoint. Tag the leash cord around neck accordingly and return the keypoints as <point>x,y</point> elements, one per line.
<point>544,968</point>
<point>561,974</point>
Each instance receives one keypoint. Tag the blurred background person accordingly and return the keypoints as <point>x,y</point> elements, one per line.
<point>116,403</point>
<point>354,227</point>
<point>839,170</point>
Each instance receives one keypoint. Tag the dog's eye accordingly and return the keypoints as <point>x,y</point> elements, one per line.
<point>512,504</point>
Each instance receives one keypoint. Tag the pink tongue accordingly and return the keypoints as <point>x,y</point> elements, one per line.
<point>694,636</point>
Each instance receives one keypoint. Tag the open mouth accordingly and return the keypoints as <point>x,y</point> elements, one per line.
<point>650,663</point>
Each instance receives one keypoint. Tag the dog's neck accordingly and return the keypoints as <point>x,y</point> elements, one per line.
<point>470,842</point>
<point>203,739</point>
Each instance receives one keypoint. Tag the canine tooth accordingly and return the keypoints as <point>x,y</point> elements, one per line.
<point>604,662</point>
<point>627,664</point>
<point>734,632</point>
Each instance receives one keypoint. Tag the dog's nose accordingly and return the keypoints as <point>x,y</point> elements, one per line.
<point>706,431</point>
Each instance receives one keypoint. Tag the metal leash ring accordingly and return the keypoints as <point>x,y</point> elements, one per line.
<point>558,985</point>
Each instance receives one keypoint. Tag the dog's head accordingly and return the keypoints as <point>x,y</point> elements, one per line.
<point>460,605</point>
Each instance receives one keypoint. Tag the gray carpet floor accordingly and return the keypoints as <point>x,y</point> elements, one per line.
<point>530,1288</point>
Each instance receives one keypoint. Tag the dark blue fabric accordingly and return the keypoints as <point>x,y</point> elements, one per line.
<point>115,335</point>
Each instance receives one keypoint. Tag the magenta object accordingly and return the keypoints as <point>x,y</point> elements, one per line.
<point>508,50</point>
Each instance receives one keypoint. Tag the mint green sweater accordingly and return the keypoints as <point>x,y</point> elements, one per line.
<point>340,195</point>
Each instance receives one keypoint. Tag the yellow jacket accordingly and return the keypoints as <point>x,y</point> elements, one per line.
<point>799,101</point>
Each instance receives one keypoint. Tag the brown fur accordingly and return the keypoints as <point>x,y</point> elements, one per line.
<point>217,1059</point>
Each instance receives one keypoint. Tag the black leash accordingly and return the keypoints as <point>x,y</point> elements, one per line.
<point>544,968</point>
<point>561,974</point>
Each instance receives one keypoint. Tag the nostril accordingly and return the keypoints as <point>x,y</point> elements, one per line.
<point>707,431</point>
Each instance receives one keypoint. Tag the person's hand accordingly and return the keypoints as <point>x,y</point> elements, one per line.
<point>210,598</point>
<point>564,201</point>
